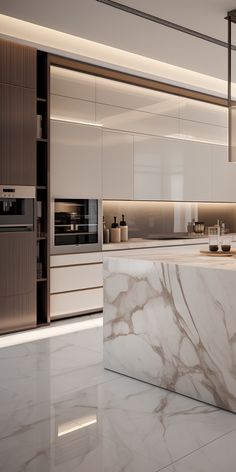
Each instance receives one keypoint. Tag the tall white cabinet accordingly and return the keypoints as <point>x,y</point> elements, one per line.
<point>76,160</point>
<point>117,166</point>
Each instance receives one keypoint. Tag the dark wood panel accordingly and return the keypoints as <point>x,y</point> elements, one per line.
<point>17,281</point>
<point>135,80</point>
<point>17,64</point>
<point>17,135</point>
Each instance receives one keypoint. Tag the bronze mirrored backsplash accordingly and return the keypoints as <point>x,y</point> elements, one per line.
<point>149,219</point>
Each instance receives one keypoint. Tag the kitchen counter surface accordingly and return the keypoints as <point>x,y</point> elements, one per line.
<point>170,320</point>
<point>139,243</point>
<point>182,256</point>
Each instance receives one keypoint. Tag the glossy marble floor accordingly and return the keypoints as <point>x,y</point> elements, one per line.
<point>60,412</point>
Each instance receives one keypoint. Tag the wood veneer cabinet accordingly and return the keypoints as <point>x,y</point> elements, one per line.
<point>17,135</point>
<point>18,64</point>
<point>17,114</point>
<point>17,281</point>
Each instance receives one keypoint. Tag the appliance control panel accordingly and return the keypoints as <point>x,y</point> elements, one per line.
<point>17,191</point>
<point>7,192</point>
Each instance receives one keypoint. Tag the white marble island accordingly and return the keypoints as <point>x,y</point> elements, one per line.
<point>170,320</point>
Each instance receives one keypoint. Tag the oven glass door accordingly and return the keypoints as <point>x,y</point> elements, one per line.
<point>16,213</point>
<point>76,222</point>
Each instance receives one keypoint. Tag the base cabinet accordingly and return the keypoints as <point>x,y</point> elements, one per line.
<point>76,284</point>
<point>77,302</point>
<point>17,281</point>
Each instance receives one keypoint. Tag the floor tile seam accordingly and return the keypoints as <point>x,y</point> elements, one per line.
<point>195,450</point>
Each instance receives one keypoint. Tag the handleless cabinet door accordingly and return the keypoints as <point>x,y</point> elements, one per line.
<point>197,171</point>
<point>158,168</point>
<point>76,162</point>
<point>17,64</point>
<point>117,166</point>
<point>17,281</point>
<point>223,176</point>
<point>17,135</point>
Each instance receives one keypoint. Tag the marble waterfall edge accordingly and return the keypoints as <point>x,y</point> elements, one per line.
<point>172,326</point>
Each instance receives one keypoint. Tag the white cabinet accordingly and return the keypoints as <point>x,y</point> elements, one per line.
<point>69,83</point>
<point>194,110</point>
<point>204,132</point>
<point>135,121</point>
<point>169,169</point>
<point>65,279</point>
<point>197,171</point>
<point>158,169</point>
<point>76,160</point>
<point>223,176</point>
<point>117,166</point>
<point>73,303</point>
<point>69,109</point>
<point>120,94</point>
<point>76,284</point>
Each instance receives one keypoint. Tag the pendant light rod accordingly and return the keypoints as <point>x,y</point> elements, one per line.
<point>168,24</point>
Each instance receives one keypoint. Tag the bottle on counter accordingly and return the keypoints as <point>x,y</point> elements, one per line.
<point>106,236</point>
<point>115,232</point>
<point>123,229</point>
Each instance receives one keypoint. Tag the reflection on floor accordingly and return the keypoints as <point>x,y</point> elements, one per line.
<point>60,412</point>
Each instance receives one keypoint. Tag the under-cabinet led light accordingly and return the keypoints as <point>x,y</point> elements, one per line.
<point>189,137</point>
<point>75,425</point>
<point>78,122</point>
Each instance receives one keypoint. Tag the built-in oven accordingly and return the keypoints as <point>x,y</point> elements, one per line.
<point>76,225</point>
<point>16,208</point>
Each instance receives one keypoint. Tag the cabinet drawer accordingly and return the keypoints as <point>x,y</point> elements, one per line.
<point>75,259</point>
<point>76,302</point>
<point>64,279</point>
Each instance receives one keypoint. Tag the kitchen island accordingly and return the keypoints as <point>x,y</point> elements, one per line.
<point>170,320</point>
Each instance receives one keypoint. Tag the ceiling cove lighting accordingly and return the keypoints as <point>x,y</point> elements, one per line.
<point>75,425</point>
<point>78,122</point>
<point>85,50</point>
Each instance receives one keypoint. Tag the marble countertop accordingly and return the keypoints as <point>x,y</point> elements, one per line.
<point>188,256</point>
<point>139,243</point>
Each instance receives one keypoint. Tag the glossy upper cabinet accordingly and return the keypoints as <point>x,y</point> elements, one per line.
<point>223,176</point>
<point>17,114</point>
<point>197,171</point>
<point>158,169</point>
<point>117,166</point>
<point>73,84</point>
<point>76,160</point>
<point>131,97</point>
<point>169,169</point>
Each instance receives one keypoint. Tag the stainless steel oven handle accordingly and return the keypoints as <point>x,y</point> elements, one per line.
<point>17,226</point>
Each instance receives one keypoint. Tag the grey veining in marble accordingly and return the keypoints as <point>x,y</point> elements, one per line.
<point>172,322</point>
<point>81,418</point>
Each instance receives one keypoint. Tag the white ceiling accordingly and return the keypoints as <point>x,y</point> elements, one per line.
<point>100,23</point>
